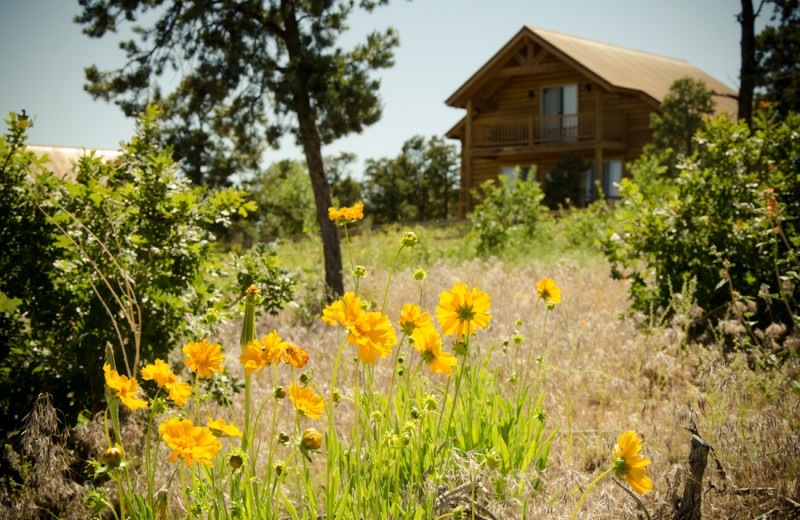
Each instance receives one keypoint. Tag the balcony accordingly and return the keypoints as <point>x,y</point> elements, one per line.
<point>540,130</point>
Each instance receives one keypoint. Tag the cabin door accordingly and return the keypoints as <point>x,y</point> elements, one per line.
<point>560,113</point>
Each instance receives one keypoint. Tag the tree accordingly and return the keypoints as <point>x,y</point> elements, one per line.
<point>345,190</point>
<point>238,59</point>
<point>565,183</point>
<point>419,184</point>
<point>748,74</point>
<point>777,49</point>
<point>684,110</point>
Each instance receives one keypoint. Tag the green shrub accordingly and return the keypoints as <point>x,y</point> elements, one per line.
<point>508,208</point>
<point>728,222</point>
<point>121,255</point>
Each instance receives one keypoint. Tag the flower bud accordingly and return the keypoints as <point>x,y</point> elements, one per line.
<point>409,239</point>
<point>360,271</point>
<point>235,461</point>
<point>311,440</point>
<point>305,378</point>
<point>279,467</point>
<point>459,513</point>
<point>212,316</point>
<point>430,402</point>
<point>337,396</point>
<point>518,322</point>
<point>513,378</point>
<point>279,392</point>
<point>460,348</point>
<point>283,438</point>
<point>414,414</point>
<point>252,291</point>
<point>112,456</point>
<point>420,274</point>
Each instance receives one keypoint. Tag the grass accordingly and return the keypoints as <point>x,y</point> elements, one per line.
<point>603,374</point>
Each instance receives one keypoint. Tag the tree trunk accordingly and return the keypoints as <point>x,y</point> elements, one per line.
<point>747,76</point>
<point>312,147</point>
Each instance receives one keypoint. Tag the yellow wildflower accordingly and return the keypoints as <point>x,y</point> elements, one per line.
<point>123,388</point>
<point>345,311</point>
<point>160,373</point>
<point>373,334</point>
<point>346,214</point>
<point>631,465</point>
<point>429,343</point>
<point>220,429</point>
<point>191,443</point>
<point>412,317</point>
<point>548,291</point>
<point>306,402</point>
<point>461,311</point>
<point>295,356</point>
<point>179,392</point>
<point>204,357</point>
<point>112,456</point>
<point>258,355</point>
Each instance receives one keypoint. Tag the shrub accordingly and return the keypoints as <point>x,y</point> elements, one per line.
<point>508,207</point>
<point>121,255</point>
<point>729,219</point>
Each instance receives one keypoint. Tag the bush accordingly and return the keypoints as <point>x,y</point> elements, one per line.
<point>728,223</point>
<point>508,207</point>
<point>121,255</point>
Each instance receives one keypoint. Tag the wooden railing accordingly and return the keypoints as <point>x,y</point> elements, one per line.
<point>534,130</point>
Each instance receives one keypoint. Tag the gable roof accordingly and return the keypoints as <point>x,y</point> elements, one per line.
<point>616,68</point>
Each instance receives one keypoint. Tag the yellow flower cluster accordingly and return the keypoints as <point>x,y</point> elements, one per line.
<point>271,349</point>
<point>371,332</point>
<point>346,214</point>
<point>461,311</point>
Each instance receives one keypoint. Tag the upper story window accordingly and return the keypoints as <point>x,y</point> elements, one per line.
<point>560,112</point>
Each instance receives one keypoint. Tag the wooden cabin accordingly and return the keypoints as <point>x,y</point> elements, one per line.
<point>546,94</point>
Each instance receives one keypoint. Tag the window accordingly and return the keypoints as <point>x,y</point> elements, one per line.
<point>560,112</point>
<point>612,176</point>
<point>516,172</point>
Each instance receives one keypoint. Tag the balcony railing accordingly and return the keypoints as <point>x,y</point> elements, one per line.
<point>533,130</point>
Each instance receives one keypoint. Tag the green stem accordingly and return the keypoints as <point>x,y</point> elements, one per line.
<point>389,281</point>
<point>580,503</point>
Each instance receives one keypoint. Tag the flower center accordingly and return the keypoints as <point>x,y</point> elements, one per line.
<point>465,313</point>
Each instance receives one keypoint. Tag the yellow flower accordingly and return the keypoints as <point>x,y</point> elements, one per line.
<point>258,355</point>
<point>412,317</point>
<point>191,443</point>
<point>372,332</point>
<point>631,465</point>
<point>548,291</point>
<point>429,343</point>
<point>345,311</point>
<point>179,392</point>
<point>160,373</point>
<point>461,311</point>
<point>306,402</point>
<point>311,440</point>
<point>346,214</point>
<point>220,429</point>
<point>204,357</point>
<point>295,356</point>
<point>123,388</point>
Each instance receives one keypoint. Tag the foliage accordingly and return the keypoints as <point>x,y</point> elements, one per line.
<point>126,259</point>
<point>777,48</point>
<point>258,266</point>
<point>285,203</point>
<point>684,110</point>
<point>507,207</point>
<point>419,184</point>
<point>345,191</point>
<point>238,60</point>
<point>564,184</point>
<point>729,218</point>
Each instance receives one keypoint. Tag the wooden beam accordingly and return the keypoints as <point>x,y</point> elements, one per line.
<point>528,70</point>
<point>468,157</point>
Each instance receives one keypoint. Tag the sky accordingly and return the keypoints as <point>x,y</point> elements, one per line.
<point>442,43</point>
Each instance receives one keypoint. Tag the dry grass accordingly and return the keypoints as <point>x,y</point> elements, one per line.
<point>603,377</point>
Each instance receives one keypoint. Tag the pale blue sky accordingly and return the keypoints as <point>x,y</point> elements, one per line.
<point>442,43</point>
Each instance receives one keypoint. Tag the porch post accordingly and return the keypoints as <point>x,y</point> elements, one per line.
<point>468,157</point>
<point>598,135</point>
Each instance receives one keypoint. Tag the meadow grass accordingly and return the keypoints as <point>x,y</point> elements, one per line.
<point>602,374</point>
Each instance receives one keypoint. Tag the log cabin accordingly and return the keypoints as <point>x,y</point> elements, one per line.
<point>547,94</point>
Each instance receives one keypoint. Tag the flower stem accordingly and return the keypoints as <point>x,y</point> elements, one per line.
<point>580,503</point>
